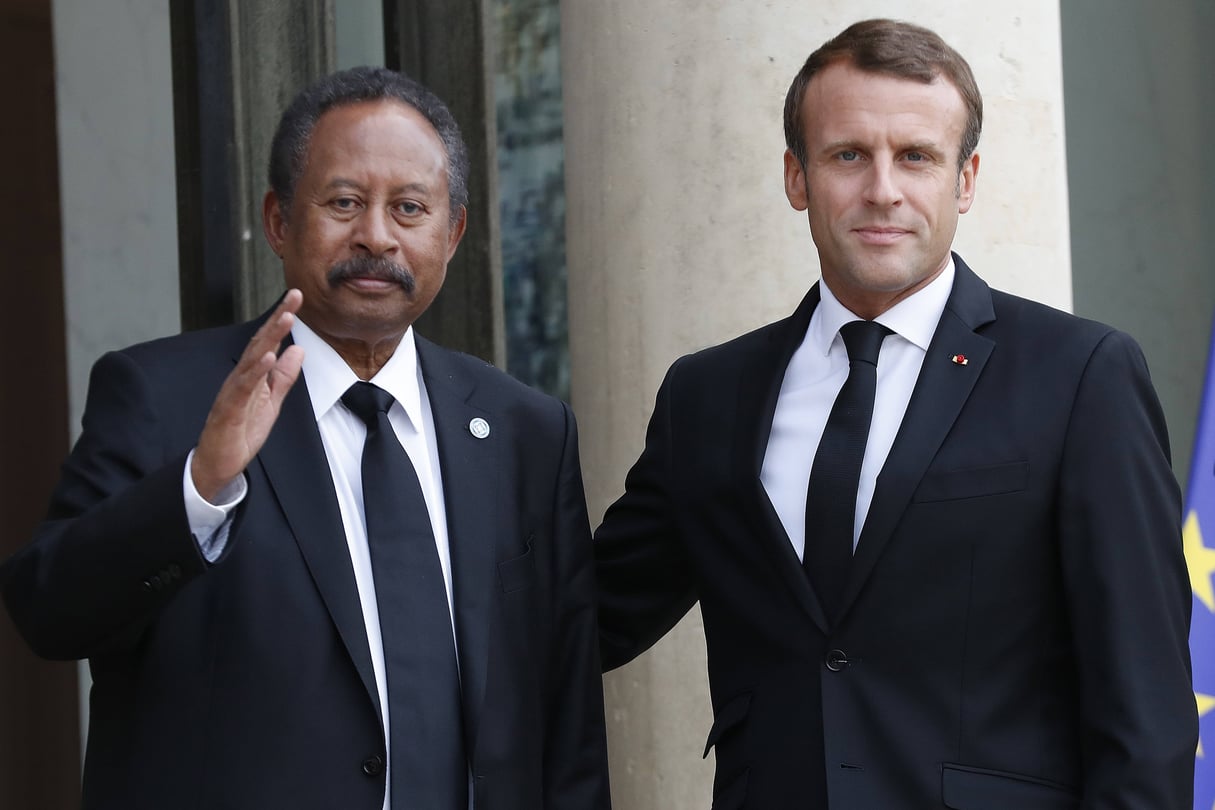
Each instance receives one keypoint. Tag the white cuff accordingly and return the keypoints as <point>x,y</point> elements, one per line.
<point>209,523</point>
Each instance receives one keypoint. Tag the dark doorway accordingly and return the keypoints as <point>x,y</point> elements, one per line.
<point>39,718</point>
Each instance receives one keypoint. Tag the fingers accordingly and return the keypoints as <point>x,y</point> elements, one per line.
<point>248,402</point>
<point>285,371</point>
<point>291,301</point>
<point>277,326</point>
<point>259,357</point>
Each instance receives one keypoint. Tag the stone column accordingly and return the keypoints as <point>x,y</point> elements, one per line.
<point>679,237</point>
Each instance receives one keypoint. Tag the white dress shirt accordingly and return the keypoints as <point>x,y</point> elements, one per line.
<point>814,377</point>
<point>342,434</point>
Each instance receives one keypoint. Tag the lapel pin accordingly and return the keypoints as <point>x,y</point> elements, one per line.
<point>960,359</point>
<point>479,428</point>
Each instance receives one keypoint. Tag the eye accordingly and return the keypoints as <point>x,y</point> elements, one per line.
<point>344,203</point>
<point>409,208</point>
<point>849,156</point>
<point>916,157</point>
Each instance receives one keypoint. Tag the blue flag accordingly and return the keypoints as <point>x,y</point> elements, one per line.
<point>1199,535</point>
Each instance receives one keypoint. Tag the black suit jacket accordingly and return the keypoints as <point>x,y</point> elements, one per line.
<point>1015,620</point>
<point>248,683</point>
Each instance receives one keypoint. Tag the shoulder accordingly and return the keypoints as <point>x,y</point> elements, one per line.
<point>184,351</point>
<point>1049,333</point>
<point>171,373</point>
<point>741,350</point>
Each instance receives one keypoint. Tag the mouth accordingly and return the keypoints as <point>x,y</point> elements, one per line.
<point>369,284</point>
<point>880,235</point>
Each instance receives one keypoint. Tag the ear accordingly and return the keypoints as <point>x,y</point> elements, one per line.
<point>456,232</point>
<point>966,183</point>
<point>274,223</point>
<point>795,182</point>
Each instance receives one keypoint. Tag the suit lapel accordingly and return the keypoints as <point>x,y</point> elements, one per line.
<point>939,395</point>
<point>759,388</point>
<point>295,464</point>
<point>470,469</point>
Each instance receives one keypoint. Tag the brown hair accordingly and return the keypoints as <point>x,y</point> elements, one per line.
<point>897,49</point>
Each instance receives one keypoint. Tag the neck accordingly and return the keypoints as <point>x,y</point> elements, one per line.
<point>364,358</point>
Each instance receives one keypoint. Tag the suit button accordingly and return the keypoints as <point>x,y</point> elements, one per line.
<point>836,660</point>
<point>155,582</point>
<point>373,766</point>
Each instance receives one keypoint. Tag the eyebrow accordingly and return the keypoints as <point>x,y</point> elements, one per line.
<point>345,182</point>
<point>924,146</point>
<point>836,146</point>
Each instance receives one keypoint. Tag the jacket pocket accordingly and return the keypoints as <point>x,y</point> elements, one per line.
<point>973,482</point>
<point>731,714</point>
<point>966,788</point>
<point>730,778</point>
<point>519,572</point>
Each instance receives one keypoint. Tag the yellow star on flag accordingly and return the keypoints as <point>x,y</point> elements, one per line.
<point>1200,560</point>
<point>1205,704</point>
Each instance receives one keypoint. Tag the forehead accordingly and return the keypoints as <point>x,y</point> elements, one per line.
<point>844,101</point>
<point>377,139</point>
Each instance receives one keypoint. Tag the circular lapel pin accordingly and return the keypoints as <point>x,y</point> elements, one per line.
<point>479,428</point>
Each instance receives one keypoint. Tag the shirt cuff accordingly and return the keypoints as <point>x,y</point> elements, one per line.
<point>209,523</point>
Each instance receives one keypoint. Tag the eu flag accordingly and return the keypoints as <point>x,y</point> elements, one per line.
<point>1199,536</point>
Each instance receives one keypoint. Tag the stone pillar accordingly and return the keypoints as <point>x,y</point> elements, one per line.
<point>679,237</point>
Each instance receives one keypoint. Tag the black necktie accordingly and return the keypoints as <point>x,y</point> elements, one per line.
<point>427,763</point>
<point>831,495</point>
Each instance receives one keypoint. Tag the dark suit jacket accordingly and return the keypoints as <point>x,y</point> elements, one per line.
<point>248,684</point>
<point>1014,635</point>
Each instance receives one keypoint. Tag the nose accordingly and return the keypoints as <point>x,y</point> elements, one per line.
<point>374,232</point>
<point>883,190</point>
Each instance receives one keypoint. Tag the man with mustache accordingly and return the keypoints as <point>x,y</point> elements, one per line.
<point>931,526</point>
<point>316,561</point>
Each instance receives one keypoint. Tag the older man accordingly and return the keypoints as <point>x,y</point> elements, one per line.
<point>932,527</point>
<point>368,585</point>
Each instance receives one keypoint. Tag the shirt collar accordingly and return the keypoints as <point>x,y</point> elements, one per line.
<point>328,375</point>
<point>914,318</point>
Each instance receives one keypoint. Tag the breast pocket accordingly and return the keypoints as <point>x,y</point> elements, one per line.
<point>973,482</point>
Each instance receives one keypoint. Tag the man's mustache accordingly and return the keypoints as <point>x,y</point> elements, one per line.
<point>377,267</point>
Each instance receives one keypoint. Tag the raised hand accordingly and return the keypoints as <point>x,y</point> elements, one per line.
<point>248,402</point>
